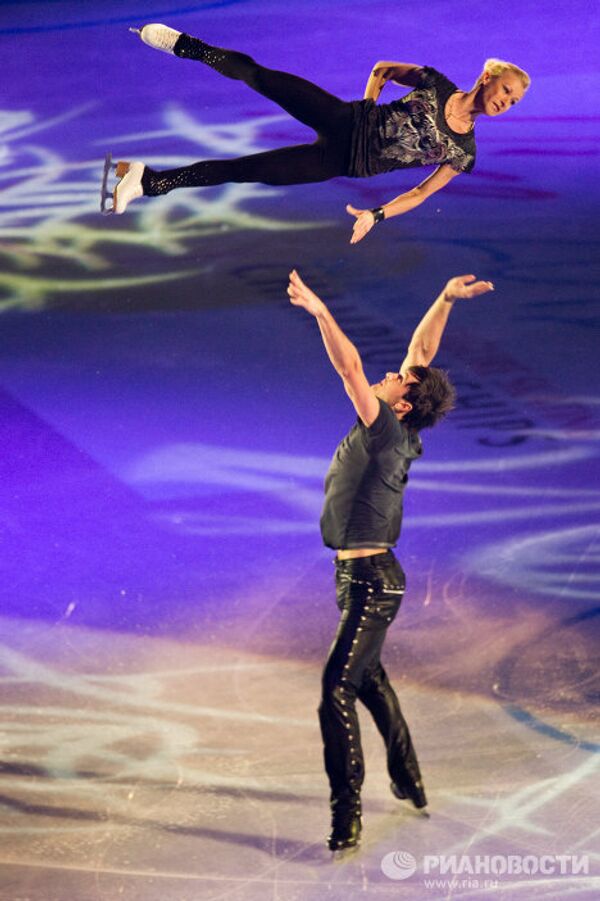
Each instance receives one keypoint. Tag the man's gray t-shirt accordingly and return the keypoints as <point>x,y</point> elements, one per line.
<point>364,486</point>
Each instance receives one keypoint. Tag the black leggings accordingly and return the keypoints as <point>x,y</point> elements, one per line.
<point>329,116</point>
<point>369,592</point>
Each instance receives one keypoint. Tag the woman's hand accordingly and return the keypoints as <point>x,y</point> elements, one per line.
<point>365,220</point>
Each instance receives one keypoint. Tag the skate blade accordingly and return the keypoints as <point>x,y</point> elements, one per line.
<point>104,208</point>
<point>342,854</point>
<point>105,194</point>
<point>136,30</point>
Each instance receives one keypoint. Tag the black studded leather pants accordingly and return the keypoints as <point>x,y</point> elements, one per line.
<point>369,592</point>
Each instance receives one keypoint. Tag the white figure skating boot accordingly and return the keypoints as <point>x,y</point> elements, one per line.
<point>128,188</point>
<point>158,36</point>
<point>130,185</point>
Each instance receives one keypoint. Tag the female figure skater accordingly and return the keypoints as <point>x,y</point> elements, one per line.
<point>433,124</point>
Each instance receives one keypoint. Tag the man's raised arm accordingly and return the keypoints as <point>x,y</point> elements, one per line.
<point>340,350</point>
<point>426,338</point>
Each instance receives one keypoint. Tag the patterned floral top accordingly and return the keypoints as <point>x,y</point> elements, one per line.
<point>409,132</point>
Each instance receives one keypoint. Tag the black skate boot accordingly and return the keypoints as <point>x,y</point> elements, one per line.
<point>411,791</point>
<point>346,825</point>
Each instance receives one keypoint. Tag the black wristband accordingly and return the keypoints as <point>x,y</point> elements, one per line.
<point>378,214</point>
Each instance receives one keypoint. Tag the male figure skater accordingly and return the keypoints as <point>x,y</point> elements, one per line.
<point>361,520</point>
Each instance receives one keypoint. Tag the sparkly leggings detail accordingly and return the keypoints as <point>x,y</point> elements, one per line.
<point>369,592</point>
<point>330,117</point>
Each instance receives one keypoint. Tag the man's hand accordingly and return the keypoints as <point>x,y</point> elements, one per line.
<point>365,220</point>
<point>301,296</point>
<point>464,287</point>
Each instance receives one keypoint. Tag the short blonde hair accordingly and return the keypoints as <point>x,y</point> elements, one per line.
<point>498,66</point>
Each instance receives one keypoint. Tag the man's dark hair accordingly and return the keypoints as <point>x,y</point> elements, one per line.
<point>431,397</point>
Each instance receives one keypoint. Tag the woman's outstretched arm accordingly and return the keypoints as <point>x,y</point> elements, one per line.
<point>365,219</point>
<point>382,72</point>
